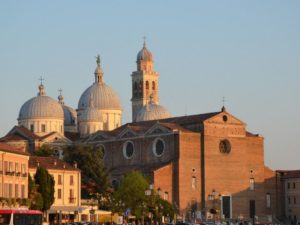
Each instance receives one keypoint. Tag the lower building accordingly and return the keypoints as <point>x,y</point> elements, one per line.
<point>13,175</point>
<point>289,195</point>
<point>67,203</point>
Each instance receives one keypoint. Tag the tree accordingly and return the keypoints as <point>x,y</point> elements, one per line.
<point>95,178</point>
<point>45,150</point>
<point>36,199</point>
<point>131,194</point>
<point>45,183</point>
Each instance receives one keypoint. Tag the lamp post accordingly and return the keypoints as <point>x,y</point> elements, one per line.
<point>148,193</point>
<point>213,197</point>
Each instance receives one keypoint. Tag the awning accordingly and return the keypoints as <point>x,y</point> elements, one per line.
<point>97,211</point>
<point>65,209</point>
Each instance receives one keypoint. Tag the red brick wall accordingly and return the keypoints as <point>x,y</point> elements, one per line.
<point>188,166</point>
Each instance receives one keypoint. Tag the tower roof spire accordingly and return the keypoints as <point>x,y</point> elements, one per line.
<point>144,44</point>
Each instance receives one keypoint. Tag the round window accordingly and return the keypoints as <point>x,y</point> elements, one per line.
<point>158,147</point>
<point>225,146</point>
<point>128,149</point>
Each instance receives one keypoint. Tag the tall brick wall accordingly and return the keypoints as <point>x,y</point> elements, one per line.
<point>188,167</point>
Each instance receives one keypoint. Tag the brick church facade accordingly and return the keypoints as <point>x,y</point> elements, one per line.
<point>199,163</point>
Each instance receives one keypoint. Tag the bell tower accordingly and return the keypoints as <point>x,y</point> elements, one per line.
<point>144,81</point>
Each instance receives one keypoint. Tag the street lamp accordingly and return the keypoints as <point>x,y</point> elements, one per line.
<point>148,193</point>
<point>213,197</point>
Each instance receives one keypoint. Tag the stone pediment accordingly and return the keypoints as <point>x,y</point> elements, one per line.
<point>157,129</point>
<point>98,137</point>
<point>224,118</point>
<point>127,133</point>
<point>56,138</point>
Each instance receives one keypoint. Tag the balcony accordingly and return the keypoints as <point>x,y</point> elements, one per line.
<point>72,200</point>
<point>24,174</point>
<point>9,173</point>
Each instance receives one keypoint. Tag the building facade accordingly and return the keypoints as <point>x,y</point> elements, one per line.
<point>67,185</point>
<point>206,162</point>
<point>13,173</point>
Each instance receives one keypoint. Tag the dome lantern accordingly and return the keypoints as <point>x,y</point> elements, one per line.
<point>98,71</point>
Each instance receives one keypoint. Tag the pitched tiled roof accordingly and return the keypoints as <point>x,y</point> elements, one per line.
<point>11,137</point>
<point>23,130</point>
<point>178,123</point>
<point>8,148</point>
<point>289,173</point>
<point>50,163</point>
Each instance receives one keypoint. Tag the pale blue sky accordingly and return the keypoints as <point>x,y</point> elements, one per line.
<point>247,51</point>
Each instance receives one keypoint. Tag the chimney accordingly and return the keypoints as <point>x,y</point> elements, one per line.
<point>37,163</point>
<point>75,164</point>
<point>54,162</point>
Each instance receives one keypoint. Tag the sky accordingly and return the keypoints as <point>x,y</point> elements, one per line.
<point>245,51</point>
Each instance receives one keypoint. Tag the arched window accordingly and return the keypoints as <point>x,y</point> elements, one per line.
<point>153,85</point>
<point>135,86</point>
<point>141,87</point>
<point>147,85</point>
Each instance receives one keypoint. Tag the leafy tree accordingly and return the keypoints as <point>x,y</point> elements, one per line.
<point>45,183</point>
<point>45,150</point>
<point>35,198</point>
<point>131,194</point>
<point>95,178</point>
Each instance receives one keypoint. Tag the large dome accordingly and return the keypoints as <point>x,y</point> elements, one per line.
<point>144,54</point>
<point>103,97</point>
<point>152,111</point>
<point>41,106</point>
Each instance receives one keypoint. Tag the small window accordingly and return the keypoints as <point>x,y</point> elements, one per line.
<point>43,128</point>
<point>166,196</point>
<point>193,182</point>
<point>71,180</point>
<point>16,191</point>
<point>252,184</point>
<point>59,193</point>
<point>288,185</point>
<point>59,180</point>
<point>294,185</point>
<point>289,200</point>
<point>147,85</point>
<point>268,199</point>
<point>32,127</point>
<point>153,85</point>
<point>23,191</point>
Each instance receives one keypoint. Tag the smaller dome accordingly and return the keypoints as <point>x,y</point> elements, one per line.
<point>70,116</point>
<point>41,106</point>
<point>91,114</point>
<point>144,54</point>
<point>152,112</point>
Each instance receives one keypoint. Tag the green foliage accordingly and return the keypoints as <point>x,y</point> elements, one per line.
<point>45,183</point>
<point>45,150</point>
<point>35,198</point>
<point>95,178</point>
<point>166,208</point>
<point>131,194</point>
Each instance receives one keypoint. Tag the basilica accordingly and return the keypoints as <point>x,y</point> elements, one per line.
<point>207,164</point>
